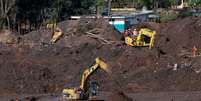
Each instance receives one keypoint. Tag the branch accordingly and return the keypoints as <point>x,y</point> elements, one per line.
<point>9,6</point>
<point>97,37</point>
<point>90,34</point>
<point>2,9</point>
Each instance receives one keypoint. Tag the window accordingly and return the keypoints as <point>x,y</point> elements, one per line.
<point>146,39</point>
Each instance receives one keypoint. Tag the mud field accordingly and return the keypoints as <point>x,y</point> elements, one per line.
<point>31,65</point>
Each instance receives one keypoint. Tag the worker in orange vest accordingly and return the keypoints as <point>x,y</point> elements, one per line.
<point>194,51</point>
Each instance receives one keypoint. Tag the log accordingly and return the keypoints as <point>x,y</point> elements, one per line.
<point>98,37</point>
<point>104,41</point>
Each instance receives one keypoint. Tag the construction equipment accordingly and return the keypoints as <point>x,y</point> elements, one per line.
<point>85,89</point>
<point>144,38</point>
<point>51,25</point>
<point>183,5</point>
<point>57,33</point>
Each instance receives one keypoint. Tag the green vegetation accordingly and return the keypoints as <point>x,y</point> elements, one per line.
<point>99,6</point>
<point>195,3</point>
<point>168,16</point>
<point>151,4</point>
<point>38,12</point>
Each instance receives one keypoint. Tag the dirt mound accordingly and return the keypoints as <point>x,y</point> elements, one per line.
<point>43,36</point>
<point>99,26</point>
<point>181,34</point>
<point>8,37</point>
<point>173,58</point>
<point>150,25</point>
<point>119,96</point>
<point>36,66</point>
<point>75,33</point>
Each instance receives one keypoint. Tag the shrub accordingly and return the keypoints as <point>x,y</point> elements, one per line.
<point>168,15</point>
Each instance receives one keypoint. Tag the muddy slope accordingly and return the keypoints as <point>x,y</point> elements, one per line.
<point>35,66</point>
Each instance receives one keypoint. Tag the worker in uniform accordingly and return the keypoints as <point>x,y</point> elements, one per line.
<point>130,33</point>
<point>194,51</point>
<point>126,33</point>
<point>135,32</point>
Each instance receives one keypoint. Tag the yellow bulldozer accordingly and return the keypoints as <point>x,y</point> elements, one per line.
<point>145,38</point>
<point>85,91</point>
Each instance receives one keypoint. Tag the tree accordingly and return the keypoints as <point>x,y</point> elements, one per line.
<point>195,3</point>
<point>166,3</point>
<point>60,9</point>
<point>31,11</point>
<point>99,6</point>
<point>151,4</point>
<point>7,8</point>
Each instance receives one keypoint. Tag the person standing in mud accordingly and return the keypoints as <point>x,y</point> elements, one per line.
<point>194,51</point>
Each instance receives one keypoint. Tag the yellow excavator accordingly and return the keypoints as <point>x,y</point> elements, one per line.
<point>145,38</point>
<point>83,92</point>
<point>57,33</point>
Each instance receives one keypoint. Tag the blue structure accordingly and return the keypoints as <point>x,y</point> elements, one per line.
<point>118,22</point>
<point>123,22</point>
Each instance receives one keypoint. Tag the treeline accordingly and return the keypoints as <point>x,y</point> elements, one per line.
<point>30,14</point>
<point>151,4</point>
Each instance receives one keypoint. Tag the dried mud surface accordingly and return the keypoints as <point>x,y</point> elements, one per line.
<point>32,65</point>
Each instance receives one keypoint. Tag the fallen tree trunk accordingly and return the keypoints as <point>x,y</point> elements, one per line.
<point>98,37</point>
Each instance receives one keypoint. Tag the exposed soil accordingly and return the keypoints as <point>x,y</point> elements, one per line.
<point>119,96</point>
<point>32,65</point>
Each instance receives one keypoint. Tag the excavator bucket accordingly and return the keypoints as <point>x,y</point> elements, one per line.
<point>103,65</point>
<point>56,35</point>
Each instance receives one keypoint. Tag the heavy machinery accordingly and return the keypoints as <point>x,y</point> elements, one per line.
<point>184,4</point>
<point>85,90</point>
<point>57,33</point>
<point>144,38</point>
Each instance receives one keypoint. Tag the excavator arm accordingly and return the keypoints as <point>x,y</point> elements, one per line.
<point>80,92</point>
<point>88,72</point>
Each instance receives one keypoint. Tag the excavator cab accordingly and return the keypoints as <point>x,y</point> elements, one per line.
<point>145,38</point>
<point>93,88</point>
